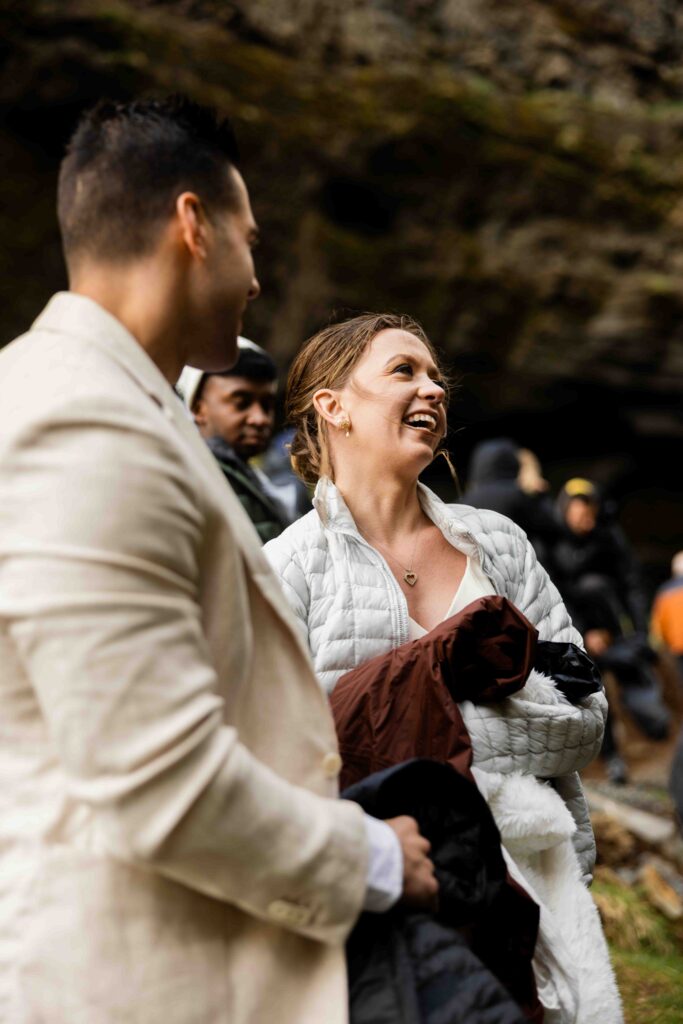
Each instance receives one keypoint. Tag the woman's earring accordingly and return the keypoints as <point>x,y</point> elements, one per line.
<point>344,423</point>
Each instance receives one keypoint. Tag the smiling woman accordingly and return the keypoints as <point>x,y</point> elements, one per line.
<point>329,360</point>
<point>381,561</point>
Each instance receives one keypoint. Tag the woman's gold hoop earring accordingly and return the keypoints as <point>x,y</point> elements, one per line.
<point>344,424</point>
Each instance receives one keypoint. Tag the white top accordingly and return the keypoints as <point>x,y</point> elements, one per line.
<point>473,585</point>
<point>385,868</point>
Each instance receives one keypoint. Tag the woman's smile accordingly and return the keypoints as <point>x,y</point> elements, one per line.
<point>424,421</point>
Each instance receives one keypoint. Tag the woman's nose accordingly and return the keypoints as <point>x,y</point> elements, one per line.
<point>432,391</point>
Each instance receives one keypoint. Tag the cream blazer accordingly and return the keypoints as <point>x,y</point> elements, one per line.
<point>169,849</point>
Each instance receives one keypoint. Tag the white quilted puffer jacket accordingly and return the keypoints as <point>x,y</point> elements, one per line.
<point>351,608</point>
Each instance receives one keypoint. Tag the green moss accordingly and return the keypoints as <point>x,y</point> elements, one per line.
<point>660,284</point>
<point>651,986</point>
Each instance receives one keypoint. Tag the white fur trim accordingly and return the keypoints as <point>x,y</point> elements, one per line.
<point>530,815</point>
<point>573,971</point>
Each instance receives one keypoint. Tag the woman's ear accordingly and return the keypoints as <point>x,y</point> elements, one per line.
<point>327,404</point>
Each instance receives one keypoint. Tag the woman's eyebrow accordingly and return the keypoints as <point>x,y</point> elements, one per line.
<point>405,358</point>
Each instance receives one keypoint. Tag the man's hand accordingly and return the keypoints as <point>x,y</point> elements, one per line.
<point>420,887</point>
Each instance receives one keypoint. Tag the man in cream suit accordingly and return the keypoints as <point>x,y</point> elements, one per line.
<point>171,849</point>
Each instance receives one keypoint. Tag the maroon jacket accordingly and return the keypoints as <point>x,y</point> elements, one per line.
<point>403,705</point>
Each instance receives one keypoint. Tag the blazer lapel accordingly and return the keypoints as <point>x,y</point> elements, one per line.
<point>71,314</point>
<point>239,523</point>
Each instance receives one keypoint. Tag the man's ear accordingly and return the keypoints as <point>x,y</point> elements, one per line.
<point>192,224</point>
<point>199,413</point>
<point>327,404</point>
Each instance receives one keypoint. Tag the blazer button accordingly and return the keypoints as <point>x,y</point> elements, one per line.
<point>289,913</point>
<point>332,763</point>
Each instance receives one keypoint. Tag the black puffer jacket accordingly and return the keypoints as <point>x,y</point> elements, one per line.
<point>599,579</point>
<point>407,967</point>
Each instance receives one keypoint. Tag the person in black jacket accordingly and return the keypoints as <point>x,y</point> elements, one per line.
<point>494,482</point>
<point>592,557</point>
<point>599,579</point>
<point>235,413</point>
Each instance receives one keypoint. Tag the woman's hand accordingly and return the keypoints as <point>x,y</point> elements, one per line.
<point>420,887</point>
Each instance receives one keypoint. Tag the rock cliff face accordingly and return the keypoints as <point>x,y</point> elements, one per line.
<point>507,172</point>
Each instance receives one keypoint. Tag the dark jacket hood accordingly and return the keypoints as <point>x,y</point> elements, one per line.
<point>496,459</point>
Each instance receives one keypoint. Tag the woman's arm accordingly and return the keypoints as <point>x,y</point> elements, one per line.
<point>538,730</point>
<point>284,557</point>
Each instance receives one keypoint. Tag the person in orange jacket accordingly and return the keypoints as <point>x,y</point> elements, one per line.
<point>666,622</point>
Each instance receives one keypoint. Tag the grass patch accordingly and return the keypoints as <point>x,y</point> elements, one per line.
<point>651,986</point>
<point>631,924</point>
<point>646,950</point>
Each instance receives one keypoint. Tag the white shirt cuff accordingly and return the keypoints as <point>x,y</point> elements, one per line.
<point>385,866</point>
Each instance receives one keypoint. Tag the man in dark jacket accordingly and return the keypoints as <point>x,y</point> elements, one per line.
<point>235,412</point>
<point>593,561</point>
<point>599,579</point>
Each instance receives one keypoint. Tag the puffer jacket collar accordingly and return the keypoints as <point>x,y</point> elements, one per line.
<point>335,516</point>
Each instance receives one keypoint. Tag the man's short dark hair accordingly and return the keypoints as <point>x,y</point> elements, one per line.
<point>253,362</point>
<point>127,163</point>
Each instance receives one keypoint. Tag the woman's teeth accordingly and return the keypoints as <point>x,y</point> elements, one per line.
<point>424,420</point>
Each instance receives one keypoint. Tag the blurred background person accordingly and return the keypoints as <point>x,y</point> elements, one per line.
<point>666,622</point>
<point>235,413</point>
<point>505,478</point>
<point>592,556</point>
<point>530,477</point>
<point>276,464</point>
<point>599,578</point>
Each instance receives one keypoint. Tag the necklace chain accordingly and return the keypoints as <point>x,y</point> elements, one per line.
<point>409,574</point>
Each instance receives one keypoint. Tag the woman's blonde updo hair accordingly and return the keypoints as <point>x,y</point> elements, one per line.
<point>327,360</point>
